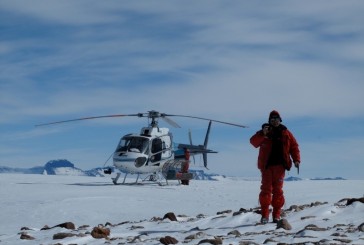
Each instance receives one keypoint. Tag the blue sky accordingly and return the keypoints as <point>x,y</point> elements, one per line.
<point>227,60</point>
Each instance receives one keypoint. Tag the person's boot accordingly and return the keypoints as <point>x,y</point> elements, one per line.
<point>265,215</point>
<point>276,215</point>
<point>264,220</point>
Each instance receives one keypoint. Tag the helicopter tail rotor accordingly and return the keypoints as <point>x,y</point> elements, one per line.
<point>190,137</point>
<point>205,144</point>
<point>200,149</point>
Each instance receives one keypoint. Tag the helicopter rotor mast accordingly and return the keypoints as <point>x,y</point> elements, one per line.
<point>155,115</point>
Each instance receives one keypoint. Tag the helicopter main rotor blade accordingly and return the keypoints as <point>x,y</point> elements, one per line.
<point>150,114</point>
<point>86,118</point>
<point>170,121</point>
<point>207,119</point>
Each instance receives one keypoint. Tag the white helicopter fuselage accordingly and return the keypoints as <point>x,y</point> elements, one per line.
<point>144,153</point>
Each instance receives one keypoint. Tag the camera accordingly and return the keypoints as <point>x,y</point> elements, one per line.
<point>266,126</point>
<point>266,129</point>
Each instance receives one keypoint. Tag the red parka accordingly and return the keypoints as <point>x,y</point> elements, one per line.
<point>290,148</point>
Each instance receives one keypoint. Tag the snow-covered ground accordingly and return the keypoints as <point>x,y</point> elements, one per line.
<point>134,212</point>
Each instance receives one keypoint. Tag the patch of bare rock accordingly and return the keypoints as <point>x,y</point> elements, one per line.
<point>308,234</point>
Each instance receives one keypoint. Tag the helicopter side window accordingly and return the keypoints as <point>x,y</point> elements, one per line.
<point>157,147</point>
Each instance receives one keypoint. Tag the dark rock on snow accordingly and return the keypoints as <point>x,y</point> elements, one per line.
<point>171,216</point>
<point>168,240</point>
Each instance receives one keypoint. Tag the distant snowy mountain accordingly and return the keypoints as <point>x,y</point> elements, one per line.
<point>62,167</point>
<point>201,175</point>
<point>291,178</point>
<point>34,170</point>
<point>53,167</point>
<point>336,178</point>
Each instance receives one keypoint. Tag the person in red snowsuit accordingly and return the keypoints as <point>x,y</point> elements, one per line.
<point>185,166</point>
<point>277,148</point>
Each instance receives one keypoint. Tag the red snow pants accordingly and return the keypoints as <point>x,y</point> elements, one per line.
<point>271,191</point>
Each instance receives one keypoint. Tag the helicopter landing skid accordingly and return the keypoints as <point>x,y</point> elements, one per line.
<point>115,180</point>
<point>151,178</point>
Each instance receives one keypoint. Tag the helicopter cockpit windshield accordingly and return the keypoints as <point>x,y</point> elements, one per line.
<point>133,144</point>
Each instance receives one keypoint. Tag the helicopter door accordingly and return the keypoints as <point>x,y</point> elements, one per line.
<point>157,147</point>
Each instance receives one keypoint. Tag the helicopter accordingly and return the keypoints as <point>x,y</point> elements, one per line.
<point>152,151</point>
